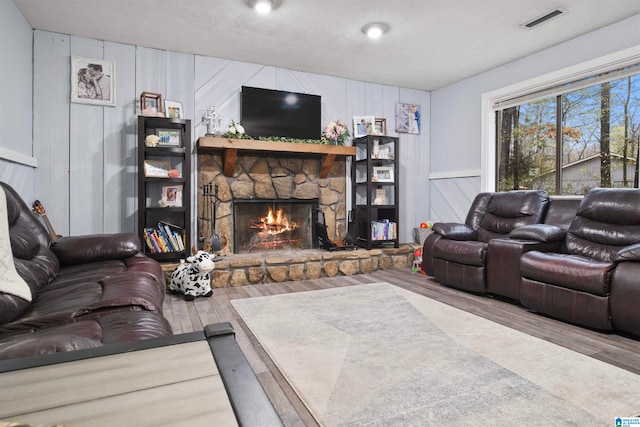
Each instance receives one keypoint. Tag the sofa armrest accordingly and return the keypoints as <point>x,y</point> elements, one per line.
<point>455,231</point>
<point>73,250</point>
<point>629,253</point>
<point>538,233</point>
<point>503,264</point>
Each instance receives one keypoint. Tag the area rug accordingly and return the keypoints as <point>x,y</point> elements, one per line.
<point>376,354</point>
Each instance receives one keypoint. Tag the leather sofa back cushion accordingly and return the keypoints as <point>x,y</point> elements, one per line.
<point>509,210</point>
<point>34,261</point>
<point>478,209</point>
<point>606,221</point>
<point>561,212</point>
<point>22,217</point>
<point>11,307</point>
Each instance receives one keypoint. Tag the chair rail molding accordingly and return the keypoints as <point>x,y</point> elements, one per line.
<point>16,157</point>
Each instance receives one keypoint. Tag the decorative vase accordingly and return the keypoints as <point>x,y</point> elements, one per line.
<point>376,148</point>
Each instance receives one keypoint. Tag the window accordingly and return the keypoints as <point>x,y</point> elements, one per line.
<point>573,137</point>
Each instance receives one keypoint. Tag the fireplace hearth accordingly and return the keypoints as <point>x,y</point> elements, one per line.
<point>265,225</point>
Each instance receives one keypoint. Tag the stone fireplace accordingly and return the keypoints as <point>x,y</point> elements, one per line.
<point>288,179</point>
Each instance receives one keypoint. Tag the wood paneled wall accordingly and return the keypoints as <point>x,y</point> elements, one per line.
<point>87,173</point>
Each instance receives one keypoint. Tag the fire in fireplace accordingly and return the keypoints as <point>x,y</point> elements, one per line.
<point>264,225</point>
<point>273,223</point>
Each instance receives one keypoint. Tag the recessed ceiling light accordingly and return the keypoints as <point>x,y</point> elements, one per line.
<point>263,6</point>
<point>375,31</point>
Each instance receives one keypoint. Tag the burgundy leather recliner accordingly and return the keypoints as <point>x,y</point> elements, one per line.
<point>595,281</point>
<point>456,254</point>
<point>87,291</point>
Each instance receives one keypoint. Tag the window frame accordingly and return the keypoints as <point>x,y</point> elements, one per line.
<point>492,101</point>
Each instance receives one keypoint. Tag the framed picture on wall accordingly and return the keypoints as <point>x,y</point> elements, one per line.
<point>408,118</point>
<point>93,81</point>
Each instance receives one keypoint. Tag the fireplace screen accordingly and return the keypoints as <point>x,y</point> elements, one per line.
<point>264,225</point>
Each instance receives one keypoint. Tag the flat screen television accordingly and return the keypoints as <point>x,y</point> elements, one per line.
<point>268,112</point>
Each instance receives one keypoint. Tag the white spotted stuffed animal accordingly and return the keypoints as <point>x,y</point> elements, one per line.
<point>192,278</point>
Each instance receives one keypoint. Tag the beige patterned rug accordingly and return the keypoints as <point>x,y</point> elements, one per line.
<point>379,355</point>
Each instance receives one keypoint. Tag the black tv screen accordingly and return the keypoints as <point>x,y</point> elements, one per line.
<point>268,112</point>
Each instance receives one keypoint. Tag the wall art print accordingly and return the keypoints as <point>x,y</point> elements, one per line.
<point>408,118</point>
<point>93,81</point>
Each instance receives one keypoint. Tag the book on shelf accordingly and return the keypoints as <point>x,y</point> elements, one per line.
<point>164,238</point>
<point>175,233</point>
<point>383,230</point>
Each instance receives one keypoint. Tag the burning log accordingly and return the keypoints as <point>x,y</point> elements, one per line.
<point>273,223</point>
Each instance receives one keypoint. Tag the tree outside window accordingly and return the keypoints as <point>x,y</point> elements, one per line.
<point>597,145</point>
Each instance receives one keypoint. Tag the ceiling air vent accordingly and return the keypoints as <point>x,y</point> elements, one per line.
<point>542,19</point>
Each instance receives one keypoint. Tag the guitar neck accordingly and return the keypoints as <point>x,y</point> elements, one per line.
<point>50,229</point>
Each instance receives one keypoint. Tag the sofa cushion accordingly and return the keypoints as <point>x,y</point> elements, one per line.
<point>11,307</point>
<point>568,271</point>
<point>12,287</point>
<point>44,343</point>
<point>109,329</point>
<point>81,296</point>
<point>509,210</point>
<point>74,250</point>
<point>133,326</point>
<point>33,260</point>
<point>606,221</point>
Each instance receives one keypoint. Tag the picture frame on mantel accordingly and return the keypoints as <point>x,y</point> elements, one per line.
<point>93,81</point>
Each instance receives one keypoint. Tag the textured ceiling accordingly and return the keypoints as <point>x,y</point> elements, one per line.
<point>431,44</point>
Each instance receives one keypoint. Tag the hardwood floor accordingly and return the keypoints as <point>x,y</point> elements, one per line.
<point>620,351</point>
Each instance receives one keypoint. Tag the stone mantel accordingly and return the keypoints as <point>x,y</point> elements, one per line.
<point>231,146</point>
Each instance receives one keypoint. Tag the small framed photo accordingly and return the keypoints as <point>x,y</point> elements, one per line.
<point>93,81</point>
<point>156,168</point>
<point>382,174</point>
<point>169,137</point>
<point>150,103</point>
<point>383,153</point>
<point>363,125</point>
<point>380,126</point>
<point>173,109</point>
<point>172,195</point>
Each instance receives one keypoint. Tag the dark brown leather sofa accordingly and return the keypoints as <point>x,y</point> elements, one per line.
<point>581,265</point>
<point>87,291</point>
<point>456,254</point>
<point>593,280</point>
